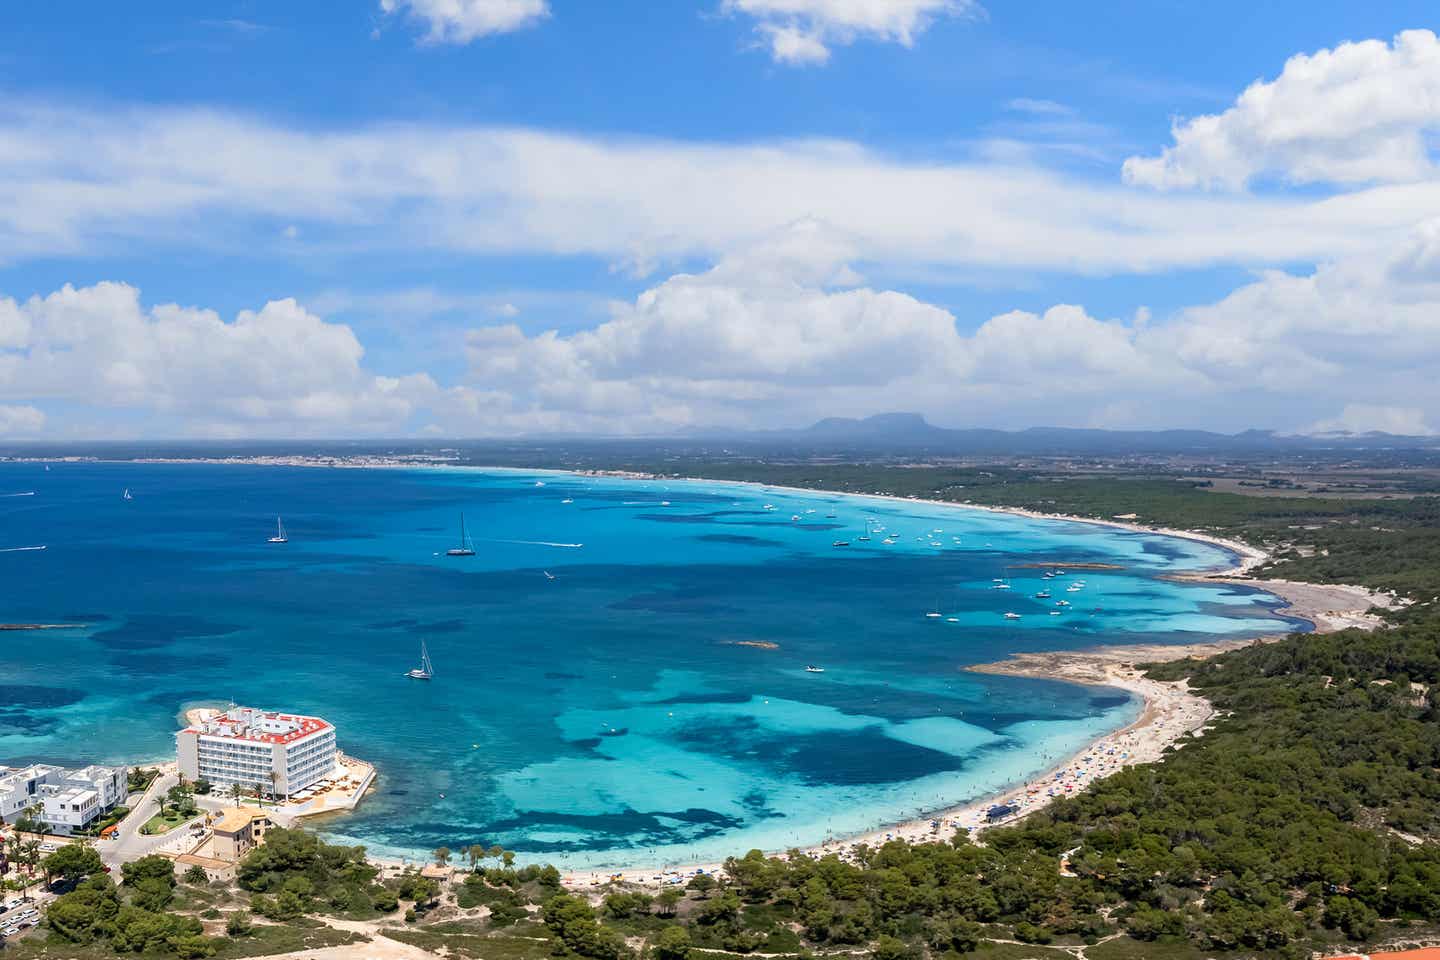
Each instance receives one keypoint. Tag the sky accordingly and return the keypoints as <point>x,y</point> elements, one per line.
<point>476,218</point>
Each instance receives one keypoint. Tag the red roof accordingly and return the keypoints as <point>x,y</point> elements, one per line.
<point>234,731</point>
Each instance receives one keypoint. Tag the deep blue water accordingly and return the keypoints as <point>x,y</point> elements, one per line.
<point>607,715</point>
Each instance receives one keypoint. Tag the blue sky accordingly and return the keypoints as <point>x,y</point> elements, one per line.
<point>490,217</point>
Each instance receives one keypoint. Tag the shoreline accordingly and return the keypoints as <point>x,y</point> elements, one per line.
<point>1169,711</point>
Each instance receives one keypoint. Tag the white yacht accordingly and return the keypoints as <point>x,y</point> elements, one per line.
<point>425,671</point>
<point>465,549</point>
<point>280,536</point>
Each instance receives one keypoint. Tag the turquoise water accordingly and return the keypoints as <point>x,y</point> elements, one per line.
<point>614,714</point>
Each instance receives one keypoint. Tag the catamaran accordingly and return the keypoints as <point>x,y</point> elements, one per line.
<point>425,671</point>
<point>280,536</point>
<point>465,549</point>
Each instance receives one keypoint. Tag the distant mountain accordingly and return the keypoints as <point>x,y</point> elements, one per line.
<point>911,432</point>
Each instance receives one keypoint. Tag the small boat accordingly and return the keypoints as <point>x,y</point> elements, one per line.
<point>888,540</point>
<point>539,483</point>
<point>425,671</point>
<point>811,668</point>
<point>1054,613</point>
<point>768,506</point>
<point>280,536</point>
<point>841,543</point>
<point>568,500</point>
<point>1062,603</point>
<point>126,495</point>
<point>1002,585</point>
<point>1074,588</point>
<point>1012,616</point>
<point>1043,595</point>
<point>465,549</point>
<point>548,575</point>
<point>794,516</point>
<point>829,516</point>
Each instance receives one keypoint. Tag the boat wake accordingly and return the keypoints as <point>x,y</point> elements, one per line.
<point>536,543</point>
<point>20,549</point>
<point>27,493</point>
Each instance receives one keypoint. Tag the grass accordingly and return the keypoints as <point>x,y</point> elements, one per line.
<point>1019,951</point>
<point>163,823</point>
<point>498,947</point>
<point>1127,948</point>
<point>284,938</point>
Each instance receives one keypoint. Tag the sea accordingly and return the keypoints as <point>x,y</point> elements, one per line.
<point>620,671</point>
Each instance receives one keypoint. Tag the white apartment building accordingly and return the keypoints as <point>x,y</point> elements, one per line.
<point>279,752</point>
<point>67,800</point>
<point>20,788</point>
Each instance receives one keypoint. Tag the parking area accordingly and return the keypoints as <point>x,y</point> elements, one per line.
<point>18,917</point>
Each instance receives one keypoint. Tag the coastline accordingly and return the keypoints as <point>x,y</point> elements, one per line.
<point>1169,712</point>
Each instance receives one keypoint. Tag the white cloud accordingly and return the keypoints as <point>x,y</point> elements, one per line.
<point>461,21</point>
<point>781,333</point>
<point>1360,113</point>
<point>1047,108</point>
<point>785,332</point>
<point>76,181</point>
<point>803,31</point>
<point>1365,418</point>
<point>277,370</point>
<point>20,420</point>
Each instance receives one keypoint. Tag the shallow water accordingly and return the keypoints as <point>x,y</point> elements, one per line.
<point>612,714</point>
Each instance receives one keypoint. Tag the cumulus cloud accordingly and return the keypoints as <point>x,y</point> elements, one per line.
<point>803,31</point>
<point>1365,418</point>
<point>788,330</point>
<point>779,333</point>
<point>280,369</point>
<point>20,420</point>
<point>461,21</point>
<point>1360,113</point>
<point>77,181</point>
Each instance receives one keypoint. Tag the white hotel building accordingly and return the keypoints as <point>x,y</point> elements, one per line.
<point>273,752</point>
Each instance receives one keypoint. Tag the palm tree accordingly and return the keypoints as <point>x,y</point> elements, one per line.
<point>236,792</point>
<point>274,781</point>
<point>30,856</point>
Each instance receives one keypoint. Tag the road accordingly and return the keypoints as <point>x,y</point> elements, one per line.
<point>129,844</point>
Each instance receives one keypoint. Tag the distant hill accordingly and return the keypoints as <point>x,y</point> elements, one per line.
<point>912,432</point>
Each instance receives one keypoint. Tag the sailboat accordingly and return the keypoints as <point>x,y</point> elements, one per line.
<point>425,671</point>
<point>126,495</point>
<point>280,536</point>
<point>465,549</point>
